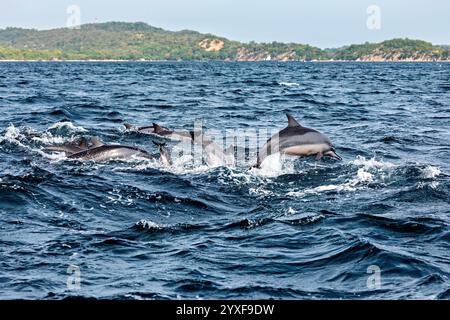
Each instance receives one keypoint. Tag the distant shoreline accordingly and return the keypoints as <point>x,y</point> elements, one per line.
<point>127,41</point>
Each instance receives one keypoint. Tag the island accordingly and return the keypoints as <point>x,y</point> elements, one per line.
<point>138,41</point>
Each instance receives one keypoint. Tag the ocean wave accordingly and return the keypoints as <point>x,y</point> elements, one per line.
<point>408,225</point>
<point>67,125</point>
<point>13,135</point>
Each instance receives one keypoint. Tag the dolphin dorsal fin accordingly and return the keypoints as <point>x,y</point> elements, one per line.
<point>96,142</point>
<point>157,128</point>
<point>292,122</point>
<point>83,143</point>
<point>129,126</point>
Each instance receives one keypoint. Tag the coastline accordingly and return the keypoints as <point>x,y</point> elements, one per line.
<point>239,61</point>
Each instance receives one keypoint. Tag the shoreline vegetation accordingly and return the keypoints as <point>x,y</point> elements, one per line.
<point>124,42</point>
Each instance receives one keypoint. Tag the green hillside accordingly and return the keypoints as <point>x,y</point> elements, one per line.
<point>137,41</point>
<point>393,50</point>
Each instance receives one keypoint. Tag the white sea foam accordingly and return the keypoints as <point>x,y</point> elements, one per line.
<point>291,211</point>
<point>274,166</point>
<point>67,125</point>
<point>55,156</point>
<point>432,184</point>
<point>371,163</point>
<point>271,166</point>
<point>360,180</point>
<point>289,84</point>
<point>148,224</point>
<point>259,191</point>
<point>47,138</point>
<point>13,135</point>
<point>430,172</point>
<point>349,186</point>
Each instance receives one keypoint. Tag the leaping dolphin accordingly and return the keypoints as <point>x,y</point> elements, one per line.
<point>298,141</point>
<point>157,130</point>
<point>79,145</point>
<point>111,152</point>
<point>164,157</point>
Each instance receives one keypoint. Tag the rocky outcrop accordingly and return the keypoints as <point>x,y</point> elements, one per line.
<point>211,45</point>
<point>246,54</point>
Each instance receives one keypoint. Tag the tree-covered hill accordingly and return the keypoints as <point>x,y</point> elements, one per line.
<point>140,41</point>
<point>393,50</point>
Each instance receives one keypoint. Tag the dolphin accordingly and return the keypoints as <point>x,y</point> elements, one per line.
<point>153,129</point>
<point>298,141</point>
<point>160,131</point>
<point>164,157</point>
<point>214,155</point>
<point>110,152</point>
<point>76,146</point>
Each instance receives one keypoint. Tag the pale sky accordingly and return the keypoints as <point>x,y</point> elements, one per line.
<point>322,23</point>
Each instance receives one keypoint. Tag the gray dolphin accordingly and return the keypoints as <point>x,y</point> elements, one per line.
<point>214,155</point>
<point>157,130</point>
<point>164,157</point>
<point>298,141</point>
<point>153,129</point>
<point>110,152</point>
<point>76,146</point>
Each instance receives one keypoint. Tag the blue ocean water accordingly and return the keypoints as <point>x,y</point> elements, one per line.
<point>373,226</point>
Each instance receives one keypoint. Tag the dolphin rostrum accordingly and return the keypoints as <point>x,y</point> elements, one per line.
<point>111,152</point>
<point>298,141</point>
<point>157,130</point>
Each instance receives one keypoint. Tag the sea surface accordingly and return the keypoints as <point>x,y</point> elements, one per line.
<point>373,226</point>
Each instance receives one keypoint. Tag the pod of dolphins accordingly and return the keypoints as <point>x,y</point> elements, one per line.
<point>293,140</point>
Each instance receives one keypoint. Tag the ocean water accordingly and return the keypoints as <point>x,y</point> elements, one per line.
<point>373,226</point>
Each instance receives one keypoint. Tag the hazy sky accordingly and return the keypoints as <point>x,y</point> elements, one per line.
<point>323,23</point>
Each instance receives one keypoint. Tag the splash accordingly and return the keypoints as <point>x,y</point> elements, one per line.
<point>371,163</point>
<point>47,138</point>
<point>430,172</point>
<point>274,166</point>
<point>148,224</point>
<point>360,180</point>
<point>67,125</point>
<point>13,135</point>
